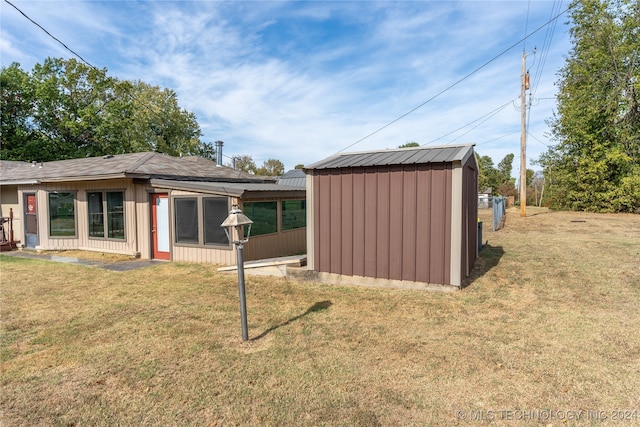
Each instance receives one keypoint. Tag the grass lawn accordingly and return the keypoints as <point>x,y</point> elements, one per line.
<point>549,325</point>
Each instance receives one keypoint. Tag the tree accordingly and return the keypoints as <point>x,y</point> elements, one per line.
<point>595,163</point>
<point>244,163</point>
<point>271,167</point>
<point>535,187</point>
<point>486,172</point>
<point>505,167</point>
<point>16,105</point>
<point>409,144</point>
<point>66,109</point>
<point>299,166</point>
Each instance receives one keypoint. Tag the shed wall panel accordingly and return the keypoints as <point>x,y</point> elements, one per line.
<point>346,222</point>
<point>358,222</point>
<point>395,221</point>
<point>423,221</point>
<point>396,181</point>
<point>382,227</point>
<point>470,210</point>
<point>324,215</point>
<point>409,224</point>
<point>447,223</point>
<point>440,217</point>
<point>370,222</point>
<point>335,223</point>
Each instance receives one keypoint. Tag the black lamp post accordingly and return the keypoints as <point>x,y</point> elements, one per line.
<point>237,221</point>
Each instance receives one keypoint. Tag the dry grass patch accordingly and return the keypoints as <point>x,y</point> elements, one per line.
<point>551,320</point>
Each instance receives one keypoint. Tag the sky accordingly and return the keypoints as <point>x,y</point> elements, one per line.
<point>299,81</point>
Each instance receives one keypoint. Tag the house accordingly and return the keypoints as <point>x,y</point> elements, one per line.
<point>404,217</point>
<point>149,205</point>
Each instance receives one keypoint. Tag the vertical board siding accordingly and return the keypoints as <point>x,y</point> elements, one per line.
<point>409,224</point>
<point>437,229</point>
<point>383,207</point>
<point>370,222</point>
<point>394,222</point>
<point>357,210</point>
<point>323,207</point>
<point>394,261</point>
<point>290,242</point>
<point>335,257</point>
<point>345,242</point>
<point>423,222</point>
<point>470,210</point>
<point>447,206</point>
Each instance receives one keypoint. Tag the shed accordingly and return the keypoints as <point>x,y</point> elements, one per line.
<point>403,217</point>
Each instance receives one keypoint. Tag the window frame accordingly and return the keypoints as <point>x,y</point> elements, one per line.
<point>255,221</point>
<point>74,195</point>
<point>200,208</point>
<point>106,215</point>
<point>282,212</point>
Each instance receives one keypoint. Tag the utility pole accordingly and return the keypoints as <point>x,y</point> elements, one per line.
<point>524,85</point>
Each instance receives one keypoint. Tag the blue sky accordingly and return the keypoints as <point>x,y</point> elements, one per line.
<point>300,81</point>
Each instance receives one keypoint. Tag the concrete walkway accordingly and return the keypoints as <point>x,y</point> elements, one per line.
<point>112,266</point>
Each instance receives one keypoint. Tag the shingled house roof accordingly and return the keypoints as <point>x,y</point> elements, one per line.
<point>400,156</point>
<point>146,165</point>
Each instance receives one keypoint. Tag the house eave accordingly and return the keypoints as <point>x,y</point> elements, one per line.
<point>20,182</point>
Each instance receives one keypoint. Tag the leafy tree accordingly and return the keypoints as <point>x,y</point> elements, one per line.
<point>486,172</point>
<point>498,179</point>
<point>595,164</point>
<point>409,144</point>
<point>16,105</point>
<point>505,167</point>
<point>271,167</point>
<point>299,166</point>
<point>245,163</point>
<point>535,187</point>
<point>66,109</point>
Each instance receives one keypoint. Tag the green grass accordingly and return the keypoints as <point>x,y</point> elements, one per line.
<point>550,320</point>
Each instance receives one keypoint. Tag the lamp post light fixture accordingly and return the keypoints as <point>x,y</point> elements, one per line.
<point>234,228</point>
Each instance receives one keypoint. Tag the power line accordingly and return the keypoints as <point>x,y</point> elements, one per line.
<point>51,35</point>
<point>500,137</point>
<point>526,26</point>
<point>489,114</point>
<point>455,83</point>
<point>126,88</point>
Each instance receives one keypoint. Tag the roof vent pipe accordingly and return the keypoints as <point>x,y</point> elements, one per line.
<point>219,153</point>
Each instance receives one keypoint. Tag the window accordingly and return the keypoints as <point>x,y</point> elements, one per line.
<point>264,216</point>
<point>294,214</point>
<point>62,214</point>
<point>198,219</point>
<point>111,202</point>
<point>187,220</point>
<point>215,212</point>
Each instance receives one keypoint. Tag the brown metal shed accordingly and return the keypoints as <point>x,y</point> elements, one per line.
<point>403,215</point>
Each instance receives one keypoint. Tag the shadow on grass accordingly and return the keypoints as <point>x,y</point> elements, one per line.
<point>488,258</point>
<point>319,306</point>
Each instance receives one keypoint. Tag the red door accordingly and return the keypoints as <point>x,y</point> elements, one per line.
<point>160,225</point>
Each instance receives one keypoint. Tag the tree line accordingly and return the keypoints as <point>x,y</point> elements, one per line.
<point>64,109</point>
<point>595,162</point>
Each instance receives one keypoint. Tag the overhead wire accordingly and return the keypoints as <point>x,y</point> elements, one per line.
<point>125,87</point>
<point>489,114</point>
<point>51,35</point>
<point>544,53</point>
<point>457,82</point>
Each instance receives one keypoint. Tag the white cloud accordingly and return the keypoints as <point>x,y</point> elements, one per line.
<point>299,81</point>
